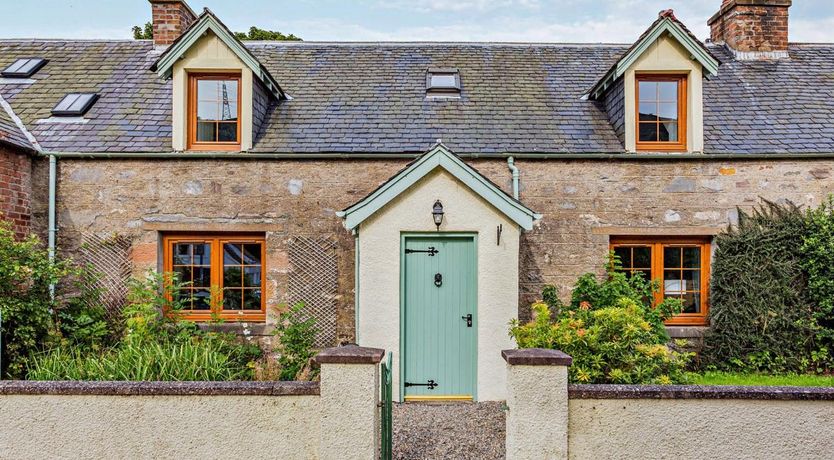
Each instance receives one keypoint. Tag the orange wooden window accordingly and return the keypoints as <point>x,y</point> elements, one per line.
<point>225,274</point>
<point>661,112</point>
<point>680,264</point>
<point>214,112</point>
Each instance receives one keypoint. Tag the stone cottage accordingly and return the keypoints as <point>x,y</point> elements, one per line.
<point>416,196</point>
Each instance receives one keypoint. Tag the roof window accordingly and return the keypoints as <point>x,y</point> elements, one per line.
<point>443,82</point>
<point>74,104</point>
<point>24,68</point>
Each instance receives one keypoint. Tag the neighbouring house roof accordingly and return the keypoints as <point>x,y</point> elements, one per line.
<point>206,22</point>
<point>370,98</point>
<point>666,23</point>
<point>10,132</point>
<point>438,157</point>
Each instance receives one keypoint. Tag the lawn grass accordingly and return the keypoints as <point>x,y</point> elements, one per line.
<point>791,380</point>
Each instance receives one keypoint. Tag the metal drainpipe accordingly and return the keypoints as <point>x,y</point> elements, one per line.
<point>53,178</point>
<point>516,175</point>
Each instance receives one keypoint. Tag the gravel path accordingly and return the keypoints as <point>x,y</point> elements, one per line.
<point>429,431</point>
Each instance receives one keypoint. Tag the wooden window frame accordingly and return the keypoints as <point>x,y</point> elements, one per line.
<point>193,144</point>
<point>217,240</point>
<point>656,146</point>
<point>657,244</point>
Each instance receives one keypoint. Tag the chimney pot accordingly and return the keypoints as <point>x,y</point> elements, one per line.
<point>170,19</point>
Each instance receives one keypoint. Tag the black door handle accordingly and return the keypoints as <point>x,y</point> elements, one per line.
<point>468,319</point>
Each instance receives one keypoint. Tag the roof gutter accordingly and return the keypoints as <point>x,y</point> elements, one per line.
<point>591,156</point>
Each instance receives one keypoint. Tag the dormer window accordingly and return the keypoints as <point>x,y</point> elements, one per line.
<point>443,82</point>
<point>661,112</point>
<point>214,112</point>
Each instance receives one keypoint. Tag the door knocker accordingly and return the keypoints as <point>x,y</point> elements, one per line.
<point>438,279</point>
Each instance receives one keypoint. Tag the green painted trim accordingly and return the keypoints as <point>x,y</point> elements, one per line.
<point>356,260</point>
<point>591,156</point>
<point>207,22</point>
<point>401,357</point>
<point>439,156</point>
<point>695,49</point>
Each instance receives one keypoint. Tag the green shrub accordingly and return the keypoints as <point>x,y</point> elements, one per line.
<point>770,292</point>
<point>296,339</point>
<point>82,320</point>
<point>610,329</point>
<point>25,301</point>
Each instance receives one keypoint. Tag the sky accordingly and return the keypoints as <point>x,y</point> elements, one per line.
<point>587,21</point>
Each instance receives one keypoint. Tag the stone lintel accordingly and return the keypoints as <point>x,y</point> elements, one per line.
<point>350,354</point>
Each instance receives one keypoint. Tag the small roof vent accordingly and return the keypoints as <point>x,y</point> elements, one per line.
<point>24,68</point>
<point>443,82</point>
<point>75,104</point>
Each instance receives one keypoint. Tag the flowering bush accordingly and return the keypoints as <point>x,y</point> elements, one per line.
<point>617,337</point>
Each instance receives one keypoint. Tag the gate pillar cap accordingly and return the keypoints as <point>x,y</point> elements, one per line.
<point>350,354</point>
<point>536,357</point>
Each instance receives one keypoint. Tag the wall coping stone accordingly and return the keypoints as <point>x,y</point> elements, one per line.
<point>350,354</point>
<point>576,391</point>
<point>536,357</point>
<point>124,388</point>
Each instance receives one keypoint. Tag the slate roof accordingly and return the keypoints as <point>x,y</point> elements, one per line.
<point>370,98</point>
<point>10,133</point>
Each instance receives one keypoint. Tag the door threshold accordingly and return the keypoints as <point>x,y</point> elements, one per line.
<point>432,398</point>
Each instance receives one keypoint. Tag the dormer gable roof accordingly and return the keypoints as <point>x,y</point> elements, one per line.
<point>666,23</point>
<point>439,157</point>
<point>206,22</point>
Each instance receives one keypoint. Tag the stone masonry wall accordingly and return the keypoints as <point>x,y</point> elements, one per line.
<point>583,202</point>
<point>16,189</point>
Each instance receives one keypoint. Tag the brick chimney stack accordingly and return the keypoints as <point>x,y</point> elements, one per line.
<point>753,29</point>
<point>170,19</point>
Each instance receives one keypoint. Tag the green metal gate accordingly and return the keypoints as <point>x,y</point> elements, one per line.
<point>386,406</point>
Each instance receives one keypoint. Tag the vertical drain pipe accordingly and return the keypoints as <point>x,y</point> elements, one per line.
<point>51,231</point>
<point>516,175</point>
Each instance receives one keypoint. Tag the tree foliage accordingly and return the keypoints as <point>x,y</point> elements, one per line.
<point>255,33</point>
<point>143,33</point>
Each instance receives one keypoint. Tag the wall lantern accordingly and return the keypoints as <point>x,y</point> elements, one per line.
<point>437,213</point>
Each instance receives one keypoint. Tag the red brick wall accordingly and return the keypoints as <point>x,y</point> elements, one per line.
<point>752,25</point>
<point>170,19</point>
<point>16,189</point>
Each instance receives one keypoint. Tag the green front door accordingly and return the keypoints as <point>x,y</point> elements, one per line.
<point>439,317</point>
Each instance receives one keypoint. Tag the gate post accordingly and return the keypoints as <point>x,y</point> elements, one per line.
<point>537,398</point>
<point>349,390</point>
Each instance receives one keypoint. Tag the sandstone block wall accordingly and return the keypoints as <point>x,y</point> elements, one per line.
<point>583,203</point>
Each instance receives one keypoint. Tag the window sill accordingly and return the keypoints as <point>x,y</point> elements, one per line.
<point>214,148</point>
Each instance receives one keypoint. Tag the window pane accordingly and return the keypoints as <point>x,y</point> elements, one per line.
<point>672,257</point>
<point>668,132</point>
<point>642,257</point>
<point>648,111</point>
<point>692,280</point>
<point>231,91</point>
<point>443,81</point>
<point>182,254</point>
<point>80,101</point>
<point>231,254</point>
<point>692,302</point>
<point>668,111</point>
<point>66,102</point>
<point>232,299</point>
<point>228,111</point>
<point>252,276</point>
<point>206,132</point>
<point>232,276</point>
<point>208,110</point>
<point>202,276</point>
<point>227,132</point>
<point>668,91</point>
<point>183,274</point>
<point>672,284</point>
<point>252,299</point>
<point>646,274</point>
<point>202,254</point>
<point>208,90</point>
<point>648,132</point>
<point>202,299</point>
<point>648,91</point>
<point>692,257</point>
<point>252,254</point>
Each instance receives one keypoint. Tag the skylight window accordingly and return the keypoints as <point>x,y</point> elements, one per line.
<point>443,82</point>
<point>74,104</point>
<point>23,68</point>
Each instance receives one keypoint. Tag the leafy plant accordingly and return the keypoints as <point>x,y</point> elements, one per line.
<point>26,305</point>
<point>610,329</point>
<point>296,339</point>
<point>143,33</point>
<point>81,319</point>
